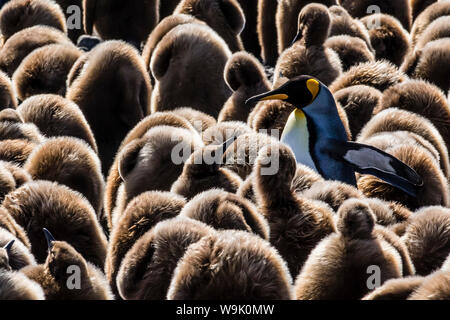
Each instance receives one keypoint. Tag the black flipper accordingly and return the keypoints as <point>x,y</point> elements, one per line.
<point>366,159</point>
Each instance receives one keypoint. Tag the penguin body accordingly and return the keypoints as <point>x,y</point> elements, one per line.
<point>22,43</point>
<point>7,94</point>
<point>56,116</point>
<point>20,14</point>
<point>45,70</point>
<point>54,275</point>
<point>333,156</point>
<point>131,21</point>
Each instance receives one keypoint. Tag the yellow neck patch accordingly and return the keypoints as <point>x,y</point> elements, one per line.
<point>313,87</point>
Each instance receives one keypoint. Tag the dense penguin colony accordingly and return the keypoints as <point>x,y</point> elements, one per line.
<point>135,165</point>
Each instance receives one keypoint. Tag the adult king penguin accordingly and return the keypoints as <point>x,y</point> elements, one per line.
<point>318,139</point>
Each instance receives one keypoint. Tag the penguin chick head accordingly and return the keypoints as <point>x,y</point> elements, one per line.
<point>4,256</point>
<point>313,25</point>
<point>299,91</point>
<point>60,257</point>
<point>355,220</point>
<point>206,161</point>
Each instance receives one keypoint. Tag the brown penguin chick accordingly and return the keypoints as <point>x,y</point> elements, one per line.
<point>21,14</point>
<point>200,121</point>
<point>56,116</point>
<point>246,191</point>
<point>19,174</point>
<point>427,237</point>
<point>147,268</point>
<point>333,193</point>
<point>233,265</point>
<point>16,286</point>
<point>203,171</point>
<point>400,9</point>
<point>240,157</point>
<point>194,51</point>
<point>114,180</point>
<point>163,27</point>
<point>224,16</point>
<point>427,16</point>
<point>224,131</point>
<point>435,185</point>
<point>245,76</point>
<point>340,266</point>
<point>72,10</point>
<point>223,210</point>
<point>24,42</point>
<point>40,204</point>
<point>13,252</point>
<point>351,50</point>
<point>304,179</point>
<point>16,150</point>
<point>418,6</point>
<point>388,38</point>
<point>249,34</point>
<point>342,23</point>
<point>7,94</point>
<point>7,182</point>
<point>123,100</point>
<point>45,70</point>
<point>397,243</point>
<point>434,287</point>
<point>10,115</point>
<point>379,74</point>
<point>297,224</point>
<point>308,55</point>
<point>142,214</point>
<point>154,161</point>
<point>393,119</point>
<point>422,98</point>
<point>56,274</point>
<point>396,289</point>
<point>270,115</point>
<point>18,130</point>
<point>287,16</point>
<point>388,213</point>
<point>9,224</point>
<point>131,21</point>
<point>438,29</point>
<point>267,31</point>
<point>71,162</point>
<point>359,102</point>
<point>431,63</point>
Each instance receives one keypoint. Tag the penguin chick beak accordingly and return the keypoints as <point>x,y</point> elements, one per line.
<point>8,246</point>
<point>49,238</point>
<point>227,143</point>
<point>298,36</point>
<point>271,95</point>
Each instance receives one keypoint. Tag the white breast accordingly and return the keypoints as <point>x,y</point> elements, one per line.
<point>296,136</point>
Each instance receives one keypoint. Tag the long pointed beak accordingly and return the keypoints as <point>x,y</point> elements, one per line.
<point>271,95</point>
<point>9,245</point>
<point>49,238</point>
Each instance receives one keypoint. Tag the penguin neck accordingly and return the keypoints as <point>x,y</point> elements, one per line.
<point>324,118</point>
<point>324,123</point>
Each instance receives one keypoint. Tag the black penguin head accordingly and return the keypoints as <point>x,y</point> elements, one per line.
<point>299,91</point>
